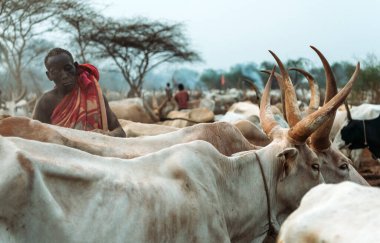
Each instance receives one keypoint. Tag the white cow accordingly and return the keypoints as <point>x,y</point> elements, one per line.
<point>137,129</point>
<point>339,213</point>
<point>242,111</point>
<point>188,192</point>
<point>246,110</point>
<point>224,136</point>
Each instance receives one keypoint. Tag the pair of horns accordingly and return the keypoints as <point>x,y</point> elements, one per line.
<point>302,128</point>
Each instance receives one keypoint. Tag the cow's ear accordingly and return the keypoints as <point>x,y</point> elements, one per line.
<point>287,159</point>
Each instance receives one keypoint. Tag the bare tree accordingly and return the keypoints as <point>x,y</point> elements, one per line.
<point>137,46</point>
<point>77,20</point>
<point>22,22</point>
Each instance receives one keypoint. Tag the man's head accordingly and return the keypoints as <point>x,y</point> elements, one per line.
<point>180,86</point>
<point>61,68</point>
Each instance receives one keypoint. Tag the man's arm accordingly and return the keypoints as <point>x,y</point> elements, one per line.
<point>42,110</point>
<point>114,126</point>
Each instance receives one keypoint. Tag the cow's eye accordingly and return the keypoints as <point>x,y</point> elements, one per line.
<point>343,167</point>
<point>315,166</point>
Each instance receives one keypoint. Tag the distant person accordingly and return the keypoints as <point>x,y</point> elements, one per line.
<point>2,102</point>
<point>76,101</point>
<point>168,91</point>
<point>181,97</point>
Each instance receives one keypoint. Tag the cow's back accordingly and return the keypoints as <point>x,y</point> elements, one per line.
<point>344,212</point>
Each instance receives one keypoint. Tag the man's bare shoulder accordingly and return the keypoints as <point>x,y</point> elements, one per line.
<point>45,106</point>
<point>48,96</point>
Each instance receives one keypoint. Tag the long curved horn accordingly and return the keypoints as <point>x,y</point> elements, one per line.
<point>331,87</point>
<point>254,86</point>
<point>349,117</point>
<point>303,129</point>
<point>257,90</point>
<point>154,100</point>
<point>267,121</point>
<point>314,89</point>
<point>293,114</point>
<point>149,110</point>
<point>320,140</point>
<point>162,105</point>
<point>280,82</point>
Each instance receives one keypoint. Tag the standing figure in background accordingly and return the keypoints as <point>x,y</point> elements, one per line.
<point>2,102</point>
<point>181,97</point>
<point>168,92</point>
<point>76,101</point>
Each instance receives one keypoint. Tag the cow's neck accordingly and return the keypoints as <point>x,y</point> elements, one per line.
<point>244,197</point>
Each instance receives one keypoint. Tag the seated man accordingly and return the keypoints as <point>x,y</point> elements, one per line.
<point>76,101</point>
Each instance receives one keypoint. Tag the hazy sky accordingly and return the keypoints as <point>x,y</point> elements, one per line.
<point>227,32</point>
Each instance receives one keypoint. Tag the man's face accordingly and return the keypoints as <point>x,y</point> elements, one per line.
<point>61,70</point>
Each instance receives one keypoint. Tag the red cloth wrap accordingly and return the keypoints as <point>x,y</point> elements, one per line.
<point>83,108</point>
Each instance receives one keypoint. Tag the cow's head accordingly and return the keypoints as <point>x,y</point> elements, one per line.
<point>299,167</point>
<point>335,166</point>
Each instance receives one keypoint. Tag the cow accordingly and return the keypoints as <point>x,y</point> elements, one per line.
<point>246,110</point>
<point>131,109</point>
<point>187,192</point>
<point>222,101</point>
<point>335,213</point>
<point>251,132</point>
<point>359,134</point>
<point>355,117</point>
<point>336,167</point>
<point>224,136</point>
<point>188,117</point>
<point>202,102</point>
<point>138,129</point>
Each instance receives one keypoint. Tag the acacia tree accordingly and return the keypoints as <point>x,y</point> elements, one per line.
<point>22,22</point>
<point>79,20</point>
<point>139,45</point>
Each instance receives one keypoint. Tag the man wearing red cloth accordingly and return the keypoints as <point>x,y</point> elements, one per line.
<point>181,97</point>
<point>76,101</point>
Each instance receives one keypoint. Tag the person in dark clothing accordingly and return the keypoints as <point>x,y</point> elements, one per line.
<point>181,97</point>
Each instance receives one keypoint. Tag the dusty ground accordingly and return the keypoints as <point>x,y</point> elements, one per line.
<point>370,169</point>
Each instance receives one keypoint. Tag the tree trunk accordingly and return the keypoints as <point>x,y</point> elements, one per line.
<point>134,91</point>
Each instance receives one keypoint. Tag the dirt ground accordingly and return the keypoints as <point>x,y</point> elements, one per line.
<point>370,169</point>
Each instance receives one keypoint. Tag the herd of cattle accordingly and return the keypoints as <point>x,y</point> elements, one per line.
<point>258,173</point>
